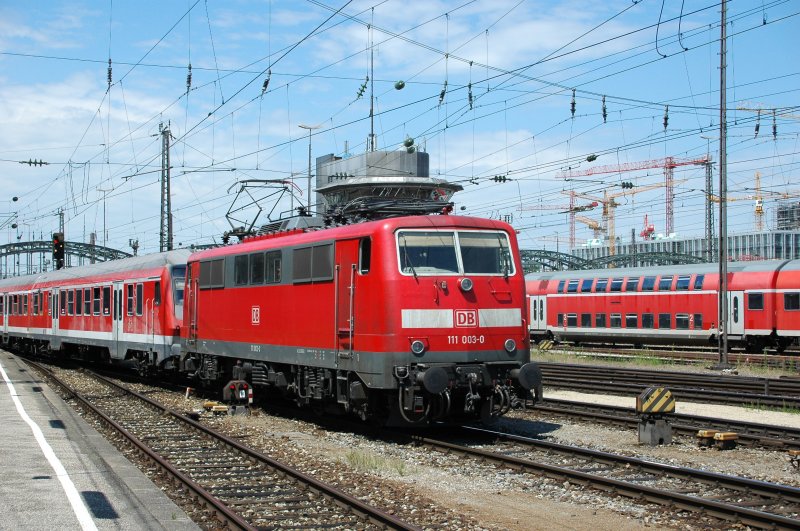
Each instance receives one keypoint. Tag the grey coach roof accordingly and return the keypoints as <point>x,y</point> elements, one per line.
<point>147,261</point>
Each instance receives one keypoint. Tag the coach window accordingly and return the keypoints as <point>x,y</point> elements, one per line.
<point>572,319</point>
<point>698,281</point>
<point>616,284</point>
<point>106,300</point>
<point>35,303</point>
<point>665,321</point>
<point>87,301</point>
<point>63,305</point>
<point>648,283</point>
<point>616,320</point>
<point>79,302</point>
<point>561,285</point>
<point>257,269</point>
<point>682,321</point>
<point>632,284</point>
<point>586,285</point>
<point>364,255</point>
<point>560,319</point>
<point>665,283</point>
<point>273,265</point>
<point>600,320</point>
<point>601,285</point>
<point>791,301</point>
<point>129,299</point>
<point>96,297</point>
<point>755,301</point>
<point>572,286</point>
<point>240,269</point>
<point>647,320</point>
<point>631,320</point>
<point>586,320</point>
<point>683,282</point>
<point>139,298</point>
<point>71,302</point>
<point>698,321</point>
<point>25,304</point>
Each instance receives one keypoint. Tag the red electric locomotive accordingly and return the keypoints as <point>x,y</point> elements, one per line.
<point>128,309</point>
<point>668,305</point>
<point>403,320</point>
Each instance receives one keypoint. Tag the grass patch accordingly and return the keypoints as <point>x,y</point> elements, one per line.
<point>778,409</point>
<point>368,462</point>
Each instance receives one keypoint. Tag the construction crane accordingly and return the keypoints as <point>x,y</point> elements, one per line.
<point>668,164</point>
<point>570,209</point>
<point>595,225</point>
<point>648,231</point>
<point>609,206</point>
<point>758,197</point>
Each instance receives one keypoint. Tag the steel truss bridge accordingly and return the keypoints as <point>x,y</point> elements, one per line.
<point>541,260</point>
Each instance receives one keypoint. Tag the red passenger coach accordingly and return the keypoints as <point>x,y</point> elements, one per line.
<point>406,319</point>
<point>129,309</point>
<point>668,305</point>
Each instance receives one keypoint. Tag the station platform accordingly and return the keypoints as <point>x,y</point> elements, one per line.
<point>57,472</point>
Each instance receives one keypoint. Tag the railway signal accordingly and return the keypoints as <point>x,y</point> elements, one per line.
<point>58,250</point>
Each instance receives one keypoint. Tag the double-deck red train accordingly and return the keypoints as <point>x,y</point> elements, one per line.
<point>668,305</point>
<point>403,320</point>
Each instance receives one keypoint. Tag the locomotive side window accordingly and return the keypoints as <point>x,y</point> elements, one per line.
<point>586,320</point>
<point>683,282</point>
<point>364,255</point>
<point>212,274</point>
<point>600,320</point>
<point>96,305</point>
<point>665,283</point>
<point>79,302</point>
<point>241,267</point>
<point>648,283</point>
<point>139,298</point>
<point>664,320</point>
<point>602,284</point>
<point>87,301</point>
<point>616,320</point>
<point>71,302</point>
<point>698,281</point>
<point>257,269</point>
<point>632,283</point>
<point>107,300</point>
<point>631,320</point>
<point>616,284</point>
<point>586,285</point>
<point>791,301</point>
<point>273,264</point>
<point>572,286</point>
<point>322,262</point>
<point>755,301</point>
<point>682,321</point>
<point>129,299</point>
<point>647,320</point>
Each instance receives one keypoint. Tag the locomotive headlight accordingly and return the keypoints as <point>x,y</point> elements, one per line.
<point>510,345</point>
<point>465,284</point>
<point>417,347</point>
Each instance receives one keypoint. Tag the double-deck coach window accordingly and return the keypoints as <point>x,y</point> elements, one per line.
<point>755,301</point>
<point>791,301</point>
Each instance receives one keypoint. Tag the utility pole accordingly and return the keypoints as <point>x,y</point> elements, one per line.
<point>723,200</point>
<point>710,255</point>
<point>165,234</point>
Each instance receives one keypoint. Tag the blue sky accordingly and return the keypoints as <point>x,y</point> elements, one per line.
<point>518,60</point>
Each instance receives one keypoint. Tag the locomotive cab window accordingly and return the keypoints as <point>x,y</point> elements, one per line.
<point>446,252</point>
<point>364,255</point>
<point>755,301</point>
<point>791,301</point>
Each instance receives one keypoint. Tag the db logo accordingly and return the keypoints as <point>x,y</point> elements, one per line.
<point>255,314</point>
<point>466,318</point>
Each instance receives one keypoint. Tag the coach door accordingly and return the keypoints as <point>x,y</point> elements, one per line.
<point>117,321</point>
<point>538,312</point>
<point>736,312</point>
<point>5,315</point>
<point>345,275</point>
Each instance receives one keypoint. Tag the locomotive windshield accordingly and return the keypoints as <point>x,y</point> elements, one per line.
<point>178,281</point>
<point>457,253</point>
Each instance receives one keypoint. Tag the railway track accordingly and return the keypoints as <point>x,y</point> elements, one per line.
<point>242,488</point>
<point>709,388</point>
<point>751,434</point>
<point>744,501</point>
